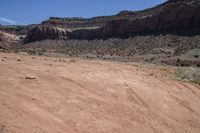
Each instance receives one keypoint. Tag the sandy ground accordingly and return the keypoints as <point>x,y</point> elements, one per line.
<point>82,96</point>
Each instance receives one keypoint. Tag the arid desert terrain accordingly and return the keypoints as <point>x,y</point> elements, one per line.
<point>134,70</point>
<point>57,95</point>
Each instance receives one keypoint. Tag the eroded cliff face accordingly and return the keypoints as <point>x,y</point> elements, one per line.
<point>6,39</point>
<point>172,15</point>
<point>38,33</point>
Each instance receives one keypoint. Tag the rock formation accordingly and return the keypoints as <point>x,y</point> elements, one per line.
<point>6,39</point>
<point>173,15</point>
<point>38,33</point>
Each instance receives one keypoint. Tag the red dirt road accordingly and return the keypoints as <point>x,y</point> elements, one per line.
<point>85,96</point>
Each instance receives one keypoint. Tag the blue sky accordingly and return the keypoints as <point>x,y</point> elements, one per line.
<point>35,11</point>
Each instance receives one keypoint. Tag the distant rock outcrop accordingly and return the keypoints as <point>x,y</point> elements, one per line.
<point>16,29</point>
<point>7,37</point>
<point>172,15</point>
<point>38,33</point>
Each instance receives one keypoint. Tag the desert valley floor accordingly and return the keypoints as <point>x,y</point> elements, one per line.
<point>54,95</point>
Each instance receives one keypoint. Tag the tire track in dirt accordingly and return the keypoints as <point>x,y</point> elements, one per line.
<point>47,117</point>
<point>189,88</point>
<point>153,115</point>
<point>185,105</point>
<point>131,93</point>
<point>93,93</point>
<point>181,86</point>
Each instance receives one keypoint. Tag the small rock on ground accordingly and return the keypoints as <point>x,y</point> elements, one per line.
<point>30,77</point>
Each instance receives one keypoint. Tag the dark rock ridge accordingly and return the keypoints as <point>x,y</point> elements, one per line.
<point>77,22</point>
<point>72,23</point>
<point>173,15</point>
<point>16,29</point>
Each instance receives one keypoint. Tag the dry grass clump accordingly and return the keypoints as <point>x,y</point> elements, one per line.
<point>72,60</point>
<point>188,74</point>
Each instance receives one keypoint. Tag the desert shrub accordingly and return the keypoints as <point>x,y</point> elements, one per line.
<point>116,46</point>
<point>188,74</point>
<point>72,60</point>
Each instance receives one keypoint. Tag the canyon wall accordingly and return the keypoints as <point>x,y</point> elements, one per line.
<point>172,16</point>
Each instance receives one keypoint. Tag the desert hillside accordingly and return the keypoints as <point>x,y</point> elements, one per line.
<point>165,34</point>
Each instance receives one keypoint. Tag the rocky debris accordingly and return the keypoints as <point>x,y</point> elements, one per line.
<point>3,60</point>
<point>31,77</point>
<point>22,53</point>
<point>1,46</point>
<point>171,16</point>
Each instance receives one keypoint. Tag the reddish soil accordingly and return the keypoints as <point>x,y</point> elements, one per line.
<point>51,95</point>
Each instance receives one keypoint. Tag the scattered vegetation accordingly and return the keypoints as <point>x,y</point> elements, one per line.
<point>72,60</point>
<point>151,74</point>
<point>155,47</point>
<point>188,74</point>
